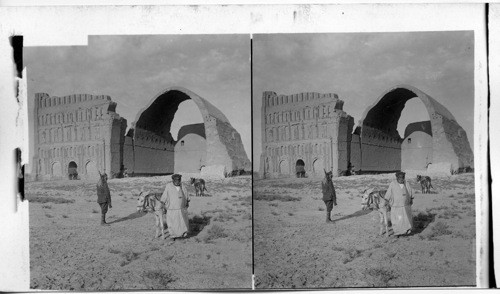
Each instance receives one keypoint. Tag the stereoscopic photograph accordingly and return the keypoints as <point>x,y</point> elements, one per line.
<point>363,143</point>
<point>140,176</point>
<point>247,147</point>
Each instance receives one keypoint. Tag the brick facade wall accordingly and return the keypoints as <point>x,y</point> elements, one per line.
<point>74,128</point>
<point>309,127</point>
<point>86,130</point>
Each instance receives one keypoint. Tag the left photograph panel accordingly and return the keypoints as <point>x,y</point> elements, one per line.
<point>139,174</point>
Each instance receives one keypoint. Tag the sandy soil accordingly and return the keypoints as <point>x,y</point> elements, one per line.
<point>295,248</point>
<point>70,250</point>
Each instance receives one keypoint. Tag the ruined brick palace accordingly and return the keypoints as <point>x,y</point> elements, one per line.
<point>83,134</point>
<point>311,131</point>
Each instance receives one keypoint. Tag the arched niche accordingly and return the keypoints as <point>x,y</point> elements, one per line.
<point>72,170</point>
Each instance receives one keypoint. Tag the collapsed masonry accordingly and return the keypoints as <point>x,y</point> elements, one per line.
<point>82,134</point>
<point>310,132</point>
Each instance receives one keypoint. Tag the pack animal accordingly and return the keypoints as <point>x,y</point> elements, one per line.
<point>375,200</point>
<point>425,183</point>
<point>150,203</point>
<point>199,186</point>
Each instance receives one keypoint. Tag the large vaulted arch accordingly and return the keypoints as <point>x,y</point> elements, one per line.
<point>152,127</point>
<point>381,143</point>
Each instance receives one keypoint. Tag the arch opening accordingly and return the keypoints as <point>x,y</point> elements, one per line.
<point>72,170</point>
<point>385,115</point>
<point>157,118</point>
<point>188,114</point>
<point>300,169</point>
<point>188,129</point>
<point>413,112</point>
<point>415,129</point>
<point>154,141</point>
<point>212,143</point>
<point>383,145</point>
<point>433,142</point>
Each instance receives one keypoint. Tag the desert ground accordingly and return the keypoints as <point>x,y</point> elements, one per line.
<point>295,248</point>
<point>70,250</point>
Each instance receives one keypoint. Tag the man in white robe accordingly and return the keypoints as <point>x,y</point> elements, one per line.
<point>176,199</point>
<point>400,196</point>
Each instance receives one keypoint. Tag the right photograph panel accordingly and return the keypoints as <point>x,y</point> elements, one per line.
<point>363,143</point>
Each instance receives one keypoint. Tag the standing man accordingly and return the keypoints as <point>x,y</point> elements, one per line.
<point>176,201</point>
<point>329,195</point>
<point>400,196</point>
<point>103,197</point>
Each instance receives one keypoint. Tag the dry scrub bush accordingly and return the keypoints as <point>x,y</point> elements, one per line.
<point>422,220</point>
<point>242,236</point>
<point>463,235</point>
<point>197,223</point>
<point>56,200</point>
<point>114,251</point>
<point>439,229</point>
<point>160,278</point>
<point>285,198</point>
<point>246,201</point>
<point>351,255</point>
<point>382,275</point>
<point>129,257</point>
<point>224,217</point>
<point>215,232</point>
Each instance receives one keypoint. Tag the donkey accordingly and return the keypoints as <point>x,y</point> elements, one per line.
<point>375,200</point>
<point>425,183</point>
<point>150,202</point>
<point>199,186</point>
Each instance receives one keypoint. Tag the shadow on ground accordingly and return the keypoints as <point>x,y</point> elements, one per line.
<point>421,221</point>
<point>131,216</point>
<point>197,223</point>
<point>356,214</point>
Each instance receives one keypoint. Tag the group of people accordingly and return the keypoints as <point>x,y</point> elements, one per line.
<point>176,202</point>
<point>400,197</point>
<point>175,199</point>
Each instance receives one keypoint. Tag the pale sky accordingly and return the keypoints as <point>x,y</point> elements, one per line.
<point>360,67</point>
<point>134,69</point>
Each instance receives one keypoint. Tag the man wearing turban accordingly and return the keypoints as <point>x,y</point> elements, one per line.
<point>176,201</point>
<point>400,196</point>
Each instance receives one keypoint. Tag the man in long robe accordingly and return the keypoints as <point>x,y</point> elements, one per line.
<point>103,197</point>
<point>176,199</point>
<point>329,195</point>
<point>400,196</point>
